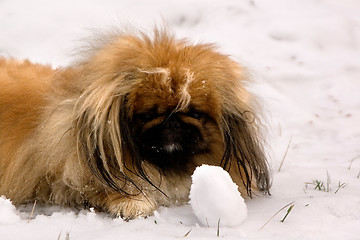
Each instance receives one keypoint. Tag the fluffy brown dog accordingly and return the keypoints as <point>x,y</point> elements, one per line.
<point>123,130</point>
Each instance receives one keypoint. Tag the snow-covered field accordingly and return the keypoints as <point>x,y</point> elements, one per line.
<point>304,56</point>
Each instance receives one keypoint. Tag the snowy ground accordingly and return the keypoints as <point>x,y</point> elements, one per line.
<point>305,58</point>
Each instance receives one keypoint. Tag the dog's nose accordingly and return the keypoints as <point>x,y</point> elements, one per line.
<point>172,131</point>
<point>172,135</point>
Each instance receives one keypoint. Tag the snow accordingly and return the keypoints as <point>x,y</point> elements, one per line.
<point>8,212</point>
<point>304,58</point>
<point>215,198</point>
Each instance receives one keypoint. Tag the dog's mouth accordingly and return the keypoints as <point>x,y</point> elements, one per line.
<point>170,144</point>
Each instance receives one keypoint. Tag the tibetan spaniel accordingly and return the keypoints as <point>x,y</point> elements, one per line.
<point>123,129</point>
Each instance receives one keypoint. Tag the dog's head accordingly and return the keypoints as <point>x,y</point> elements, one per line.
<point>168,105</point>
<point>174,115</point>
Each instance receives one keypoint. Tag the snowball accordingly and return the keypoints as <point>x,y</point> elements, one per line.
<point>8,212</point>
<point>214,196</point>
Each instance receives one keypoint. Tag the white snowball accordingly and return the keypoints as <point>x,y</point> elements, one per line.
<point>215,196</point>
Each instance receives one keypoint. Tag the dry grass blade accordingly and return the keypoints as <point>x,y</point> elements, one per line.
<point>286,151</point>
<point>67,236</point>
<point>187,233</point>
<point>287,205</point>
<point>287,213</point>
<point>352,160</point>
<point>341,185</point>
<point>328,182</point>
<point>32,212</point>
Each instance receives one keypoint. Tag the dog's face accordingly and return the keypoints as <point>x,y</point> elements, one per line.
<point>170,105</point>
<point>174,117</point>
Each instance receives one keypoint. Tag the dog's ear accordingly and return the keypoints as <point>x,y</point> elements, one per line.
<point>100,125</point>
<point>243,146</point>
<point>99,139</point>
<point>104,140</point>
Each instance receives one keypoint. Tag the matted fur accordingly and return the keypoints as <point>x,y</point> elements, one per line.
<point>79,135</point>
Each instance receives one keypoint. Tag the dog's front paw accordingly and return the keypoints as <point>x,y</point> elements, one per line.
<point>129,208</point>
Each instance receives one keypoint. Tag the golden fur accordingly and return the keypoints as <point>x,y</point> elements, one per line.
<point>71,135</point>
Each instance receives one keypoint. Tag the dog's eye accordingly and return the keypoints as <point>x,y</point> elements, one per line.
<point>146,117</point>
<point>195,114</point>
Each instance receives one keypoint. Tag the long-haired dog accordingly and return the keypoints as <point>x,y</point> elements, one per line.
<point>123,129</point>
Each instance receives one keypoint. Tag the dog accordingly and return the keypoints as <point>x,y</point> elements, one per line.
<point>123,128</point>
